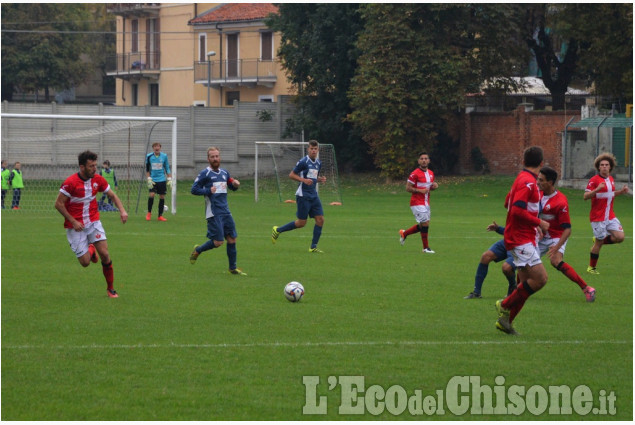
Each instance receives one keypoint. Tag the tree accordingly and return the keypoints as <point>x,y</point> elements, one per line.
<point>48,55</point>
<point>588,41</point>
<point>418,62</point>
<point>319,53</point>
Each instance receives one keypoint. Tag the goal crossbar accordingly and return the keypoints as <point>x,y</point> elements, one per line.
<point>118,118</point>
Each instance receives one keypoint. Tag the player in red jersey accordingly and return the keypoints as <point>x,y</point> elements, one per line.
<point>420,183</point>
<point>607,229</point>
<point>520,238</point>
<point>84,231</point>
<point>554,209</point>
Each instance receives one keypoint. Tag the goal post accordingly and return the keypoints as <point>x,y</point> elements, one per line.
<point>47,146</point>
<point>273,162</point>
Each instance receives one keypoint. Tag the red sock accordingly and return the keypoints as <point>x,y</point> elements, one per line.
<point>91,249</point>
<point>515,302</point>
<point>108,274</point>
<point>414,229</point>
<point>568,271</point>
<point>594,260</point>
<point>424,239</point>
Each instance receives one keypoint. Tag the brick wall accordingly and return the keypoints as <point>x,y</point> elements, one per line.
<point>503,136</point>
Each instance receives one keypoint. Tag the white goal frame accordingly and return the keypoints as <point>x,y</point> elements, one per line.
<point>173,120</point>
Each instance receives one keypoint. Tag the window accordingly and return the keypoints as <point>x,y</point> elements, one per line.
<point>231,96</point>
<point>154,95</point>
<point>266,46</point>
<point>135,35</point>
<point>152,43</point>
<point>265,98</point>
<point>232,55</point>
<point>202,47</point>
<point>135,94</point>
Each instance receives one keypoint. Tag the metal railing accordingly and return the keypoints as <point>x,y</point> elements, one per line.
<point>134,62</point>
<point>236,71</point>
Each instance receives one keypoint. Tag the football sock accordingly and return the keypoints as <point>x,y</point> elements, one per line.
<point>414,229</point>
<point>608,240</point>
<point>317,232</point>
<point>523,291</point>
<point>231,255</point>
<point>108,274</point>
<point>568,271</point>
<point>161,204</point>
<point>424,236</point>
<point>594,260</point>
<point>91,249</point>
<point>150,203</point>
<point>511,283</point>
<point>206,246</point>
<point>481,273</point>
<point>287,227</point>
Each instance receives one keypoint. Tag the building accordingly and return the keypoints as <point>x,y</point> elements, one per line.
<point>201,54</point>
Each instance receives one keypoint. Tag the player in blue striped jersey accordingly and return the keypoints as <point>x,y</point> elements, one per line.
<point>159,178</point>
<point>306,172</point>
<point>212,183</point>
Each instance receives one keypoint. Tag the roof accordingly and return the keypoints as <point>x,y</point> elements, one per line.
<point>235,12</point>
<point>533,86</point>
<point>594,122</point>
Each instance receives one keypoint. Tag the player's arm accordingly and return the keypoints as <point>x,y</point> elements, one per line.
<point>563,238</point>
<point>410,187</point>
<point>295,176</point>
<point>622,191</point>
<point>233,184</point>
<point>60,205</point>
<point>590,193</point>
<point>198,187</point>
<point>115,199</point>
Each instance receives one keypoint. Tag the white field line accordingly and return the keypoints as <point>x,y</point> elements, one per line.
<point>510,341</point>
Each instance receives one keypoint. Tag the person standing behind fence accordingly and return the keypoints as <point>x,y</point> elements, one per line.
<point>5,180</point>
<point>17,183</point>
<point>108,174</point>
<point>607,229</point>
<point>159,178</point>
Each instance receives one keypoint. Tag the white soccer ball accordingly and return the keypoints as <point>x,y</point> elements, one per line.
<point>294,291</point>
<point>165,208</point>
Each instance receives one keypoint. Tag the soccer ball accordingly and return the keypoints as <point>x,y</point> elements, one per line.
<point>165,208</point>
<point>294,291</point>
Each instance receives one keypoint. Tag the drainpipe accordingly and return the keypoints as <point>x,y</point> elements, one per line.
<point>220,58</point>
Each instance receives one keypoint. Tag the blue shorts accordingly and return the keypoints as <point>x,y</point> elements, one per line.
<point>220,226</point>
<point>311,207</point>
<point>501,253</point>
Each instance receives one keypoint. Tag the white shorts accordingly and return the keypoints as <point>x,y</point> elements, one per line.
<point>79,241</point>
<point>601,228</point>
<point>545,243</point>
<point>526,255</point>
<point>421,213</point>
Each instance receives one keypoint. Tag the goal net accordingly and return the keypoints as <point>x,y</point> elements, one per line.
<point>47,147</point>
<point>275,160</point>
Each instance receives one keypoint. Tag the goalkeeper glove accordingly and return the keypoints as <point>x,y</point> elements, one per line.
<point>169,183</point>
<point>150,183</point>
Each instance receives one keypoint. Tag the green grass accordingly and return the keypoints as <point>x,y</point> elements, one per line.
<point>190,342</point>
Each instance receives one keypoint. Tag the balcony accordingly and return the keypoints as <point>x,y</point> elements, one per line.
<point>135,65</point>
<point>134,9</point>
<point>234,73</point>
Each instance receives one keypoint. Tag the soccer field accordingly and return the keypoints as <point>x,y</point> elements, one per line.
<point>192,342</point>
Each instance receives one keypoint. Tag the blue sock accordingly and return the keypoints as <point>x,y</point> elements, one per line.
<point>481,273</point>
<point>231,255</point>
<point>206,246</point>
<point>287,227</point>
<point>512,283</point>
<point>317,232</point>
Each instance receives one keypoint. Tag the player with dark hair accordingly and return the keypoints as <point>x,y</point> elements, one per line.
<point>306,172</point>
<point>607,229</point>
<point>554,209</point>
<point>419,184</point>
<point>212,183</point>
<point>159,178</point>
<point>497,252</point>
<point>84,231</point>
<point>523,203</point>
<point>108,173</point>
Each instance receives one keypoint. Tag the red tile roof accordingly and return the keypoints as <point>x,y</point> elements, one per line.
<point>235,12</point>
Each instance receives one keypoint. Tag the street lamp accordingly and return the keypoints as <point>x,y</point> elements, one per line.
<point>209,72</point>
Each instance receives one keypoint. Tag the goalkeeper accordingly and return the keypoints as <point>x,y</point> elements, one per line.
<point>159,178</point>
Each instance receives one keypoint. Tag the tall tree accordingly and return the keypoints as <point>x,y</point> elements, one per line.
<point>46,52</point>
<point>319,54</point>
<point>418,61</point>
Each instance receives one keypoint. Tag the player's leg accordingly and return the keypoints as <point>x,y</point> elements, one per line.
<point>482,269</point>
<point>152,193</point>
<point>229,229</point>
<point>161,191</point>
<point>317,213</point>
<point>214,239</point>
<point>97,236</point>
<point>83,250</point>
<point>509,271</point>
<point>615,232</point>
<point>557,261</point>
<point>403,234</point>
<point>302,214</point>
<point>599,234</point>
<point>4,194</point>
